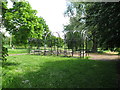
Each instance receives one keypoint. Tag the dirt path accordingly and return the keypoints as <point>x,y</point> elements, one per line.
<point>104,57</point>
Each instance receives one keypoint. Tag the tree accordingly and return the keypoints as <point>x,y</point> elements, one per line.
<point>3,50</point>
<point>105,16</point>
<point>23,23</point>
<point>78,22</point>
<point>100,21</point>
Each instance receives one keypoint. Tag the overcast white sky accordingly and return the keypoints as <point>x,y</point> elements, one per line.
<point>52,11</point>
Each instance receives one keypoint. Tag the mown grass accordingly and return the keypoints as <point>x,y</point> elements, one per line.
<point>17,51</point>
<point>33,71</point>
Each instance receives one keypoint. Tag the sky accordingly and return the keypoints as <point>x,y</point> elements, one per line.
<point>52,11</point>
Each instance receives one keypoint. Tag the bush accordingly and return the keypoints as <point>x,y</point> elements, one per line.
<point>118,50</point>
<point>99,51</point>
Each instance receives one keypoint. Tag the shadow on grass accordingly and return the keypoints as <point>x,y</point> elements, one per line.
<point>5,64</point>
<point>67,74</point>
<point>118,71</point>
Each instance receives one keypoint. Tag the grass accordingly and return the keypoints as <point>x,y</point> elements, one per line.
<point>17,51</point>
<point>33,71</point>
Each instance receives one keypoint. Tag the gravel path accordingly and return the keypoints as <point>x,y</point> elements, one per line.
<point>104,57</point>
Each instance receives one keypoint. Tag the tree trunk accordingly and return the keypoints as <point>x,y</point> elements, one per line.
<point>25,46</point>
<point>72,51</point>
<point>94,48</point>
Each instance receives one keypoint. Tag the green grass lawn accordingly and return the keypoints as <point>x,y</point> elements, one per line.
<point>17,51</point>
<point>33,71</point>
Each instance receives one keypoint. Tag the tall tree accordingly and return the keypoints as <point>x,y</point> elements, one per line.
<point>22,22</point>
<point>101,21</point>
<point>106,17</point>
<point>3,50</point>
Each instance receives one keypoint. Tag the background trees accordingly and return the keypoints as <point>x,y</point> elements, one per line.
<point>106,16</point>
<point>100,20</point>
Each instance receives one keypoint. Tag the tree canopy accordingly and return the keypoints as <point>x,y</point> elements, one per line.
<point>99,19</point>
<point>21,20</point>
<point>3,50</point>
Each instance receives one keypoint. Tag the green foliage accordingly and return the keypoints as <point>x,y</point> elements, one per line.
<point>3,7</point>
<point>6,40</point>
<point>22,22</point>
<point>118,50</point>
<point>3,50</point>
<point>105,17</point>
<point>60,42</point>
<point>54,41</point>
<point>100,20</point>
<point>73,40</point>
<point>76,29</point>
<point>4,53</point>
<point>50,41</point>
